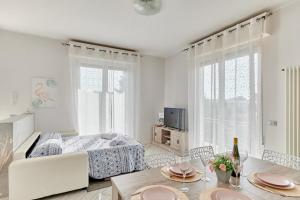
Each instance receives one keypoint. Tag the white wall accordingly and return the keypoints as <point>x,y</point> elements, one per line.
<point>176,81</point>
<point>281,49</point>
<point>25,56</point>
<point>152,95</point>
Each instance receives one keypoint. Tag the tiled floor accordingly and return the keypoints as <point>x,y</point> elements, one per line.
<point>102,194</point>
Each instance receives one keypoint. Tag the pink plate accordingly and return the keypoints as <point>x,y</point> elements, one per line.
<point>260,182</point>
<point>158,193</point>
<point>176,168</point>
<point>273,179</point>
<point>227,195</point>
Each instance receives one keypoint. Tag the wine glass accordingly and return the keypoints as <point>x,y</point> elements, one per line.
<point>236,165</point>
<point>184,168</point>
<point>243,158</point>
<point>205,159</point>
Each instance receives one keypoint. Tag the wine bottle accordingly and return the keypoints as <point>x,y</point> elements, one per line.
<point>235,154</point>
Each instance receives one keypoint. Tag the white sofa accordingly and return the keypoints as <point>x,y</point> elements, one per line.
<point>44,176</point>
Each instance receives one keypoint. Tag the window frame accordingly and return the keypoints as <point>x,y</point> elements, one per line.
<point>104,93</point>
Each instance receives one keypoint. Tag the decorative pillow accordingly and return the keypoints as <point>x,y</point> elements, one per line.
<point>120,140</point>
<point>48,144</point>
<point>108,136</point>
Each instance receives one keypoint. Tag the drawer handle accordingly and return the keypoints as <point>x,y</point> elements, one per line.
<point>177,141</point>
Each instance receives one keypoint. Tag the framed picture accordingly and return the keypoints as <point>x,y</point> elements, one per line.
<point>44,92</point>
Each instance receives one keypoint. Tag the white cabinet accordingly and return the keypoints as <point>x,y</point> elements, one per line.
<point>171,139</point>
<point>175,141</point>
<point>13,132</point>
<point>157,134</point>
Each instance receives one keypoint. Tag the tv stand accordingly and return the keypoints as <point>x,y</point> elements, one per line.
<point>171,139</point>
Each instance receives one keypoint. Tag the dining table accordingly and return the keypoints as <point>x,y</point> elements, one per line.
<point>124,186</point>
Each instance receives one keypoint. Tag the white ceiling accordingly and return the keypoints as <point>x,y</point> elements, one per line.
<point>114,22</point>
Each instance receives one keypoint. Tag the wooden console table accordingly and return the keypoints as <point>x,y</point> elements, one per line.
<point>171,139</point>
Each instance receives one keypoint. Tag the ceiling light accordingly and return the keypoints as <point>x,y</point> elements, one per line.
<point>147,7</point>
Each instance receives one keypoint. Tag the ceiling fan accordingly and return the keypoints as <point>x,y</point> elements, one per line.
<point>147,7</point>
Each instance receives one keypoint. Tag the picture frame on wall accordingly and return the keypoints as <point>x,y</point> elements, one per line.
<point>44,92</point>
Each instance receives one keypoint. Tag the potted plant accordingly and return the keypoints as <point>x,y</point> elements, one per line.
<point>222,165</point>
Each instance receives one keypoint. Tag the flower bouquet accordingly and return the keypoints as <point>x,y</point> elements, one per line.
<point>222,165</point>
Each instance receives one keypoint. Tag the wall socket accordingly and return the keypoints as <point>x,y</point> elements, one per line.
<point>272,123</point>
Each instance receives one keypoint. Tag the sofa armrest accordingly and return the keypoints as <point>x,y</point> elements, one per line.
<point>43,176</point>
<point>21,152</point>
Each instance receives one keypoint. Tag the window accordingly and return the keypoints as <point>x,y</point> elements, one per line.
<point>228,101</point>
<point>101,100</point>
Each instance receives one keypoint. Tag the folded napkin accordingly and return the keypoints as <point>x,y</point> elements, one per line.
<point>108,136</point>
<point>120,140</point>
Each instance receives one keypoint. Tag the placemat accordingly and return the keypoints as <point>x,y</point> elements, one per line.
<point>286,193</point>
<point>180,195</point>
<point>165,172</point>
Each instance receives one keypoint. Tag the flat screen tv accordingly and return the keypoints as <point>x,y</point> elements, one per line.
<point>174,118</point>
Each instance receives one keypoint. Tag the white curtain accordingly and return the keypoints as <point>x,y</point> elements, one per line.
<point>104,90</point>
<point>225,89</point>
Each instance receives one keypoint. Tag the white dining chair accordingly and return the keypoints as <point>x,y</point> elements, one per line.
<point>198,152</point>
<point>159,160</point>
<point>281,159</point>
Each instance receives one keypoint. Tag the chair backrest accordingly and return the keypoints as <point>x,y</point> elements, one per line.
<point>159,160</point>
<point>281,159</point>
<point>205,152</point>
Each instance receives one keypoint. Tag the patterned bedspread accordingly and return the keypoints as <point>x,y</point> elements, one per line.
<point>105,160</point>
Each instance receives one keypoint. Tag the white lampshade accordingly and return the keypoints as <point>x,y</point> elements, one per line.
<point>147,7</point>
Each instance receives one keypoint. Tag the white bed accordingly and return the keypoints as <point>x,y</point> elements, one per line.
<point>105,160</point>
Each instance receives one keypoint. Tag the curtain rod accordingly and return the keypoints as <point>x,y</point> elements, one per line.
<point>230,28</point>
<point>98,47</point>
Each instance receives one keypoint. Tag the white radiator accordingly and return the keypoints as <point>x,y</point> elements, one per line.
<point>293,111</point>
